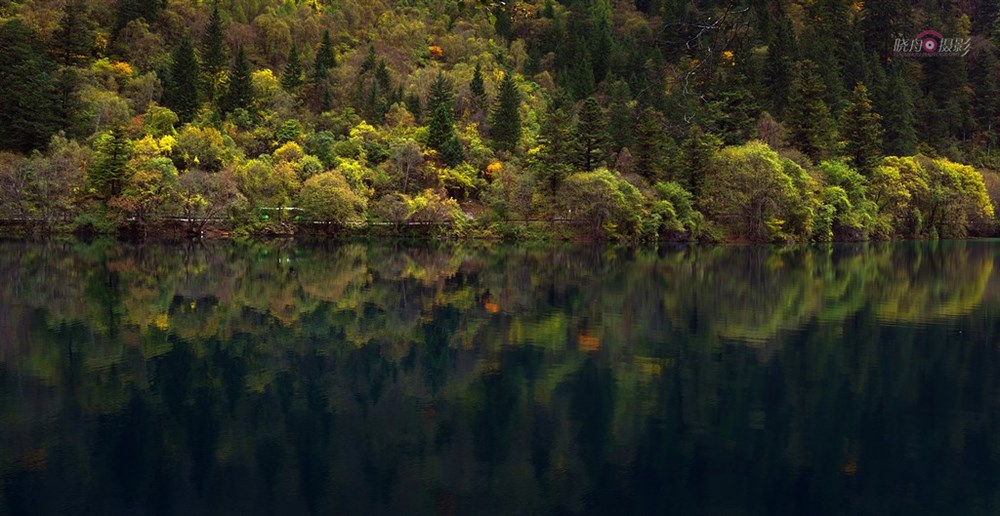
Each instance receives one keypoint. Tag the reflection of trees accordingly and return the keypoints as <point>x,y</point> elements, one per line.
<point>399,378</point>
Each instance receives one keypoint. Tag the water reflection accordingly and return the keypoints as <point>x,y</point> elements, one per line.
<point>213,378</point>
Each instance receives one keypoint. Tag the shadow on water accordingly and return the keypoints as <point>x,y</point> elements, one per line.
<point>407,378</point>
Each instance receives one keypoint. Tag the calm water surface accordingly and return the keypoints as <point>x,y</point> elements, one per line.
<point>395,378</point>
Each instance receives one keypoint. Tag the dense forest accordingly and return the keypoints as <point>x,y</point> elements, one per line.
<point>752,120</point>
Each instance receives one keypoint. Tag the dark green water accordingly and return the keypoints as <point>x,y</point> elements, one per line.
<point>213,378</point>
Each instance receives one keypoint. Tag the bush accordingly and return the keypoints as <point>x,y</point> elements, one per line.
<point>328,197</point>
<point>604,203</point>
<point>757,196</point>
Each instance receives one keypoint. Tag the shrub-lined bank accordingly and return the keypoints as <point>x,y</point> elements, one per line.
<point>747,193</point>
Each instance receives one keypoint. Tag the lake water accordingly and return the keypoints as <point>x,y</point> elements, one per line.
<point>357,378</point>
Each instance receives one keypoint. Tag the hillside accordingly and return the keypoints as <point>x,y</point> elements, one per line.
<point>762,120</point>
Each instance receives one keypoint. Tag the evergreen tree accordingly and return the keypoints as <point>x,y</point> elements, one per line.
<point>414,107</point>
<point>325,59</point>
<point>862,129</point>
<point>26,89</point>
<point>621,119</point>
<point>440,103</point>
<point>240,93</point>
<point>108,173</point>
<point>476,86</point>
<point>987,90</point>
<point>810,123</point>
<point>74,40</point>
<point>291,77</point>
<point>590,135</point>
<point>602,41</point>
<point>213,45</point>
<point>506,129</point>
<point>697,152</point>
<point>781,53</point>
<point>898,114</point>
<point>181,92</point>
<point>649,152</point>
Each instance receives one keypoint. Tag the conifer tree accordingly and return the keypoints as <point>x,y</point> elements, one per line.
<point>810,123</point>
<point>506,129</point>
<point>590,135</point>
<point>26,89</point>
<point>649,152</point>
<point>621,119</point>
<point>291,77</point>
<point>181,92</point>
<point>240,93</point>
<point>898,115</point>
<point>861,127</point>
<point>781,53</point>
<point>109,171</point>
<point>74,40</point>
<point>440,103</point>
<point>476,86</point>
<point>325,58</point>
<point>213,44</point>
<point>697,152</point>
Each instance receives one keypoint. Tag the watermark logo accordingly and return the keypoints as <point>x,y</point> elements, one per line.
<point>931,43</point>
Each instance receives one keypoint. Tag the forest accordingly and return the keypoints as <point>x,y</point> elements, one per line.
<point>636,120</point>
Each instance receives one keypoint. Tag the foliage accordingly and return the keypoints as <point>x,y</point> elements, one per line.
<point>328,197</point>
<point>756,195</point>
<point>603,202</point>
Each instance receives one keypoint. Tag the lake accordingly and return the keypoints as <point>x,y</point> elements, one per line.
<point>214,378</point>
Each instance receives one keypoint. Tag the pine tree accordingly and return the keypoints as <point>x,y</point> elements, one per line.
<point>26,89</point>
<point>325,59</point>
<point>240,93</point>
<point>781,53</point>
<point>476,86</point>
<point>621,119</point>
<point>440,103</point>
<point>506,130</point>
<point>602,41</point>
<point>899,115</point>
<point>590,135</point>
<point>181,92</point>
<point>810,123</point>
<point>987,100</point>
<point>862,129</point>
<point>74,40</point>
<point>414,107</point>
<point>213,45</point>
<point>697,152</point>
<point>291,77</point>
<point>649,152</point>
<point>109,171</point>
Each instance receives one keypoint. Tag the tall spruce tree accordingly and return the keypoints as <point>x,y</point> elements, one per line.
<point>476,86</point>
<point>109,171</point>
<point>810,123</point>
<point>898,114</point>
<point>649,152</point>
<point>440,103</point>
<point>213,44</point>
<point>781,52</point>
<point>506,129</point>
<point>74,40</point>
<point>240,93</point>
<point>621,119</point>
<point>181,92</point>
<point>291,77</point>
<point>325,59</point>
<point>861,128</point>
<point>590,135</point>
<point>26,89</point>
